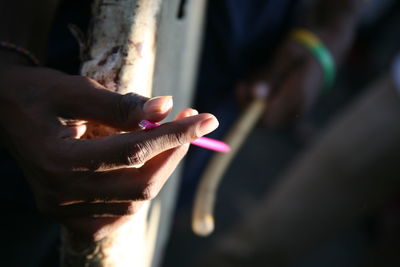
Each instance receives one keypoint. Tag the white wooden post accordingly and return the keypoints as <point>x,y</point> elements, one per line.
<point>139,46</point>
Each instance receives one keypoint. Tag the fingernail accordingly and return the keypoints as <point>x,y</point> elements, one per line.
<point>207,125</point>
<point>189,112</point>
<point>193,112</point>
<point>159,104</point>
<point>261,90</point>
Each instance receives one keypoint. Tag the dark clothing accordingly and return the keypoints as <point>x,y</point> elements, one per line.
<point>240,38</point>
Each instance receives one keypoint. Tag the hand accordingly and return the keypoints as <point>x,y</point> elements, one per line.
<point>290,85</point>
<point>90,185</point>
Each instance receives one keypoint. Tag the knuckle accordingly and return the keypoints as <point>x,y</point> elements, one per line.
<point>126,106</point>
<point>182,134</point>
<point>149,192</point>
<point>121,110</point>
<point>132,208</point>
<point>179,138</point>
<point>137,154</point>
<point>146,191</point>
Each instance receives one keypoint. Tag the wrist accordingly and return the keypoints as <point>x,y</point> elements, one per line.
<point>334,22</point>
<point>338,38</point>
<point>320,52</point>
<point>26,23</point>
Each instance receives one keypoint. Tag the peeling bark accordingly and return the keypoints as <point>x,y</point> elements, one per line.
<point>123,53</point>
<point>120,54</point>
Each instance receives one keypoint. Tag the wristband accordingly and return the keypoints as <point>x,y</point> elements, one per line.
<point>20,50</point>
<point>320,52</point>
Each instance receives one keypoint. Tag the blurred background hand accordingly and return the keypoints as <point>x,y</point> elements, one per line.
<point>290,85</point>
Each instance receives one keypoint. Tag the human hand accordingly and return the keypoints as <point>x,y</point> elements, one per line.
<point>290,85</point>
<point>90,185</point>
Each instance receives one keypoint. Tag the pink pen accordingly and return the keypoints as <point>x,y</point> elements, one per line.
<point>203,142</point>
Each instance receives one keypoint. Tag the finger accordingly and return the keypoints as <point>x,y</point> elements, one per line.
<point>94,228</point>
<point>187,112</point>
<point>79,131</point>
<point>75,132</point>
<point>290,56</point>
<point>243,93</point>
<point>287,103</point>
<point>96,209</point>
<point>268,82</point>
<point>87,100</point>
<point>124,185</point>
<point>276,78</point>
<point>136,148</point>
<point>261,90</point>
<point>159,172</point>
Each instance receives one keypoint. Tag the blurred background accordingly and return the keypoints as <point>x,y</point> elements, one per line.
<point>365,234</point>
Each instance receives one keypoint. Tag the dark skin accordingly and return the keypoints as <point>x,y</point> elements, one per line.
<point>90,186</point>
<point>293,81</point>
<point>70,179</point>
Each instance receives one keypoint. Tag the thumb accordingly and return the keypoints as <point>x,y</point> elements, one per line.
<point>88,100</point>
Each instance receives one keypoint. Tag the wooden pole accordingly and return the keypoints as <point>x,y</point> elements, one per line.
<point>203,218</point>
<point>138,46</point>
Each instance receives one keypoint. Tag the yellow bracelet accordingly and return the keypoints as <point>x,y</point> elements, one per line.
<point>320,52</point>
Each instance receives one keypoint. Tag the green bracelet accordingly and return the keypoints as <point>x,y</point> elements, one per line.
<point>320,52</point>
